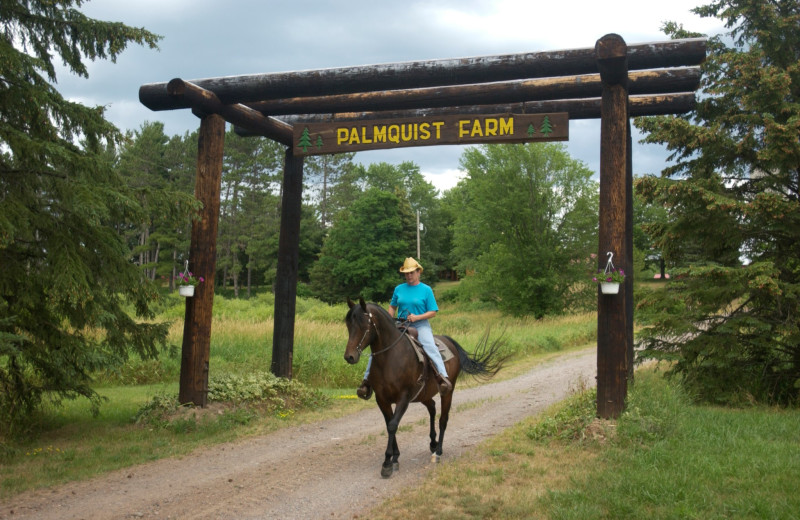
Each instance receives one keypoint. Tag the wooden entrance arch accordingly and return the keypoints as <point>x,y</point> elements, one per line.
<point>612,81</point>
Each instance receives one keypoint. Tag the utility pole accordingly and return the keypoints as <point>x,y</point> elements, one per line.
<point>418,251</point>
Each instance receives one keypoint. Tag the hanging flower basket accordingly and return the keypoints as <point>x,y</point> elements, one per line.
<point>609,287</point>
<point>187,282</point>
<point>609,278</point>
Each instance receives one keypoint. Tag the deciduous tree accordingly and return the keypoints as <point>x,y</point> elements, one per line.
<point>526,225</point>
<point>361,253</point>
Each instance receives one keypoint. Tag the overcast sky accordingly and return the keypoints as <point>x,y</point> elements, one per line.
<point>211,38</point>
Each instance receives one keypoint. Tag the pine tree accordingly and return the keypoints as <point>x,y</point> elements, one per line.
<point>159,171</point>
<point>66,274</point>
<point>305,140</point>
<point>547,127</point>
<point>733,198</point>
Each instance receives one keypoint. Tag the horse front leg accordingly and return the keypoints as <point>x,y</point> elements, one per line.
<point>430,404</point>
<point>392,454</point>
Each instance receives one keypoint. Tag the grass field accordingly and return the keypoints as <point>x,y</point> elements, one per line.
<point>69,443</point>
<point>664,458</point>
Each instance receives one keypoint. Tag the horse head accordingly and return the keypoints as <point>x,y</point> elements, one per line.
<point>361,329</point>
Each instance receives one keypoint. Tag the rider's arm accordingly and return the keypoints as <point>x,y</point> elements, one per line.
<point>424,316</point>
<point>392,311</point>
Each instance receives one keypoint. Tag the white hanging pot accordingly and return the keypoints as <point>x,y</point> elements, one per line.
<point>609,287</point>
<point>187,291</point>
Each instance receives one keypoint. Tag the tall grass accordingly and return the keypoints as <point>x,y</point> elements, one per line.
<point>241,339</point>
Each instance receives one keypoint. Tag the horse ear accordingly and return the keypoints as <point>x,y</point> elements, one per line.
<point>350,303</point>
<point>363,303</point>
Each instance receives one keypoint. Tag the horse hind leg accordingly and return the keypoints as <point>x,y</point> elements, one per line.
<point>446,402</point>
<point>431,406</point>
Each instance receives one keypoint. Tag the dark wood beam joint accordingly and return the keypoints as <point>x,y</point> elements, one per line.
<point>204,102</point>
<point>612,59</point>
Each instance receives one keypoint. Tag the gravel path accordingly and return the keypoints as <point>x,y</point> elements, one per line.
<point>329,469</point>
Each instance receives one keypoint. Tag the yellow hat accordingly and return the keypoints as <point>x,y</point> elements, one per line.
<point>410,265</point>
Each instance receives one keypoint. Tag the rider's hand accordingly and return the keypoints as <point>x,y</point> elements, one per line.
<point>410,318</point>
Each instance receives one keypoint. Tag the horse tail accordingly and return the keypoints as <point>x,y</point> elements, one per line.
<point>487,359</point>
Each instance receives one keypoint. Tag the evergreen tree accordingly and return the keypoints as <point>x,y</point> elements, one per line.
<point>260,208</point>
<point>322,173</point>
<point>238,161</point>
<point>149,168</point>
<point>175,239</point>
<point>66,278</point>
<point>733,195</point>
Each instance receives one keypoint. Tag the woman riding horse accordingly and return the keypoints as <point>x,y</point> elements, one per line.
<point>417,305</point>
<point>398,377</point>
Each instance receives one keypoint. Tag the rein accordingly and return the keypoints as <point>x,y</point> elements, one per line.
<point>360,348</point>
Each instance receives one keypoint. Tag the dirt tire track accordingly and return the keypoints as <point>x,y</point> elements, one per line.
<point>328,469</point>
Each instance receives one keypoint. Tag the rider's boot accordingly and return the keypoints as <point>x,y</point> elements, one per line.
<point>445,386</point>
<point>364,391</point>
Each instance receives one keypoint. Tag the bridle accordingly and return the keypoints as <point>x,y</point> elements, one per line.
<point>360,347</point>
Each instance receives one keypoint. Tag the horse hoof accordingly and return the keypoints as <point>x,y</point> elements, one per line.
<point>396,466</point>
<point>386,471</point>
<point>435,458</point>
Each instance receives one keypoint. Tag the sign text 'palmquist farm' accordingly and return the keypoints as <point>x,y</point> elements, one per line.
<point>351,136</point>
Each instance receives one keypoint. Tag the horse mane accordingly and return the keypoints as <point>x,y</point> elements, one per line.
<point>372,307</point>
<point>380,310</point>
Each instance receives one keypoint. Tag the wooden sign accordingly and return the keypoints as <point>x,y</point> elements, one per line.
<point>351,136</point>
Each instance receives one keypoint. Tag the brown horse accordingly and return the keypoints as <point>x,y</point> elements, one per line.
<point>399,378</point>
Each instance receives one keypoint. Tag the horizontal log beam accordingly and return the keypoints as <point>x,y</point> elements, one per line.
<point>420,74</point>
<point>643,105</point>
<point>662,81</point>
<point>204,101</point>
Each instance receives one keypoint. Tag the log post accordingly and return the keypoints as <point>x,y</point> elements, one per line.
<point>288,260</point>
<point>629,254</point>
<point>613,322</point>
<point>196,347</point>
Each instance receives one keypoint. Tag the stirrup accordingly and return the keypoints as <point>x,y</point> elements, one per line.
<point>364,391</point>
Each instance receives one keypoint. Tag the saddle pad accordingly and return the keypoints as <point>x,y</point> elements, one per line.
<point>443,350</point>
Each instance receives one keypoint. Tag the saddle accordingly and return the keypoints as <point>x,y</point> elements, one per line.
<point>413,336</point>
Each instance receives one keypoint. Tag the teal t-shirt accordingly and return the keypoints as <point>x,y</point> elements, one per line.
<point>413,299</point>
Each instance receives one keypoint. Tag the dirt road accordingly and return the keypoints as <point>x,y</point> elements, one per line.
<point>328,469</point>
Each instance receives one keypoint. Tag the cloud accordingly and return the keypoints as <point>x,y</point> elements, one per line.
<point>209,38</point>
